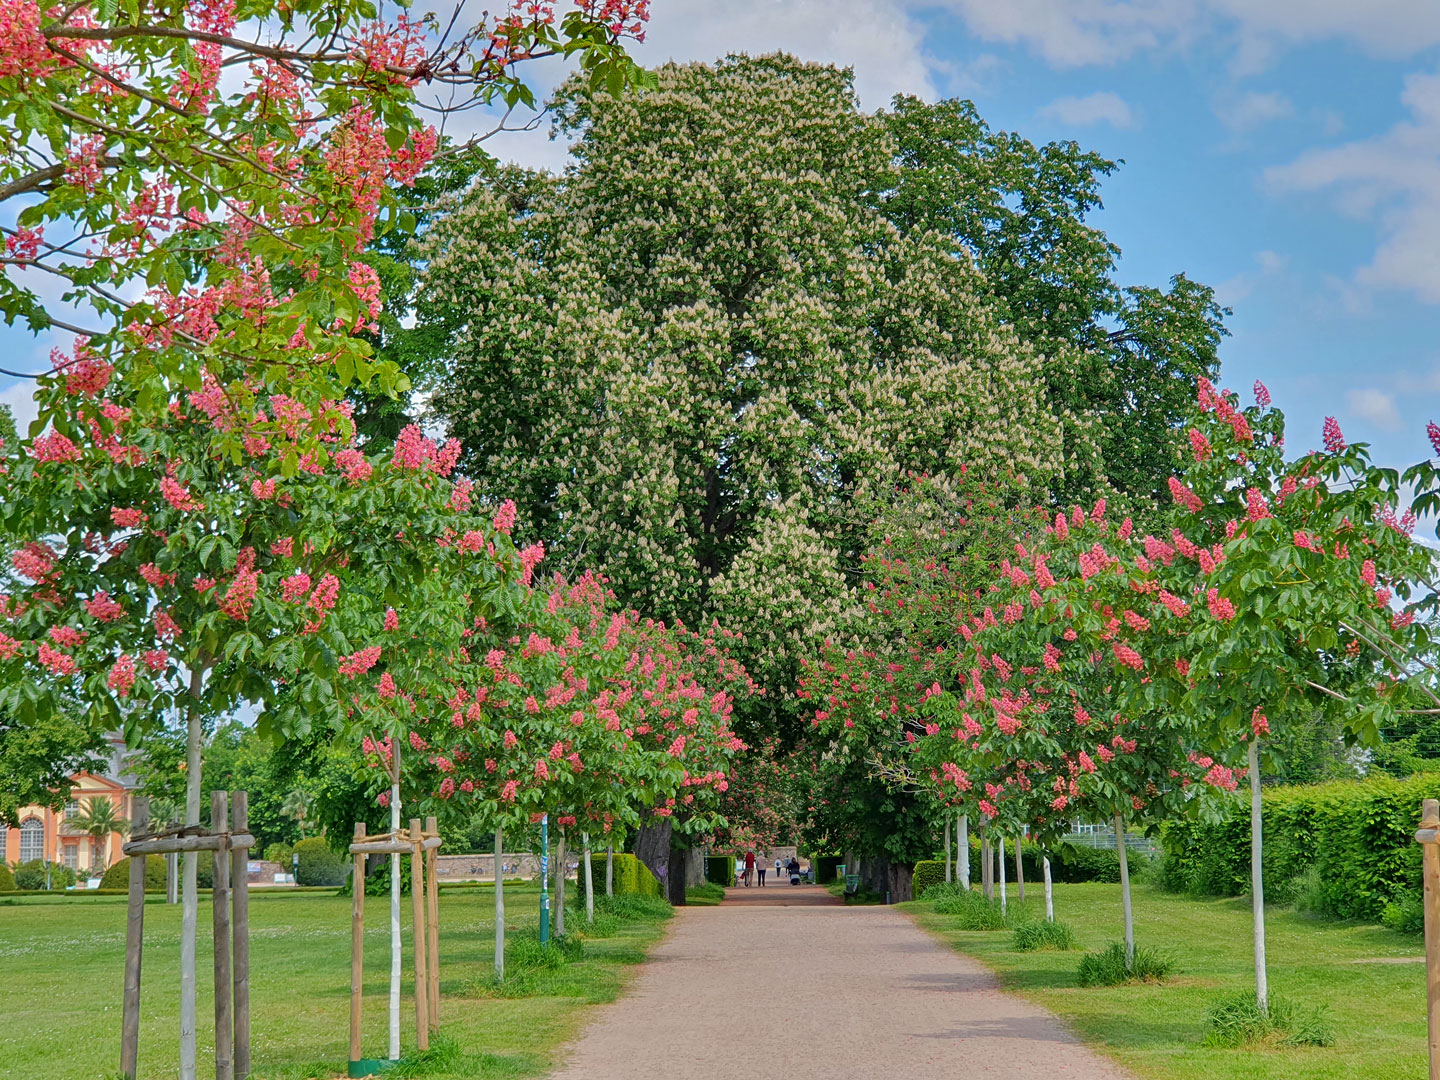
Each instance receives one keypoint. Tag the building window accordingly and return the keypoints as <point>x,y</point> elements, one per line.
<point>32,839</point>
<point>72,856</point>
<point>4,836</point>
<point>72,808</point>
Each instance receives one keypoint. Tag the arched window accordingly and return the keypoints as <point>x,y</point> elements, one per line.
<point>32,839</point>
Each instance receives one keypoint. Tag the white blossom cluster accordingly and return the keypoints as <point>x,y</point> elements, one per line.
<point>687,356</point>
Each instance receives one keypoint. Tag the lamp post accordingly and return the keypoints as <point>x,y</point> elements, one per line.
<point>544,878</point>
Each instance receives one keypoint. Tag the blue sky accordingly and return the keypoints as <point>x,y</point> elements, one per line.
<point>1285,151</point>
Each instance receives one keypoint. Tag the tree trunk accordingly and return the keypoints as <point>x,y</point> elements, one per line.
<point>987,866</point>
<point>560,885</point>
<point>652,846</point>
<point>695,867</point>
<point>1257,878</point>
<point>675,887</point>
<point>589,879</point>
<point>1001,864</point>
<point>190,905</point>
<point>945,828</point>
<point>395,940</point>
<point>499,903</point>
<point>610,869</point>
<point>1125,904</point>
<point>962,856</point>
<point>901,883</point>
<point>1020,868</point>
<point>1049,889</point>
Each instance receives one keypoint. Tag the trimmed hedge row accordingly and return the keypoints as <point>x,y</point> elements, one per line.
<point>118,876</point>
<point>632,877</point>
<point>1357,836</point>
<point>721,870</point>
<point>825,868</point>
<point>1070,865</point>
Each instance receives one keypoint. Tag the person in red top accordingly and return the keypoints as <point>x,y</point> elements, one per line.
<point>749,867</point>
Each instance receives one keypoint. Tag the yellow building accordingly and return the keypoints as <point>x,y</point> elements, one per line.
<point>45,834</point>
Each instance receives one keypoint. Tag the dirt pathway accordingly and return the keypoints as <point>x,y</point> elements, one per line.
<point>785,981</point>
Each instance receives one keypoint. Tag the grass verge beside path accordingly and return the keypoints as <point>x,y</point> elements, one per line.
<point>1365,976</point>
<point>61,969</point>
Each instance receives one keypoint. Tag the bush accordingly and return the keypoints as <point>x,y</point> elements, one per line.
<point>1074,865</point>
<point>1357,836</point>
<point>1036,935</point>
<point>632,877</point>
<point>7,878</point>
<point>280,853</point>
<point>720,869</point>
<point>118,876</point>
<point>319,865</point>
<point>31,875</point>
<point>1237,1021</point>
<point>1406,914</point>
<point>1107,967</point>
<point>825,868</point>
<point>709,892</point>
<point>928,873</point>
<point>632,907</point>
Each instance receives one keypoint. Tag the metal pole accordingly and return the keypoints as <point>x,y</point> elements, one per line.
<point>544,873</point>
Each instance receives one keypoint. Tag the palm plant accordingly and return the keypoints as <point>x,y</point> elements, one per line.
<point>99,818</point>
<point>297,805</point>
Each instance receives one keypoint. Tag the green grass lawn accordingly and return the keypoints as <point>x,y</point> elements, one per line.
<point>1375,1004</point>
<point>61,966</point>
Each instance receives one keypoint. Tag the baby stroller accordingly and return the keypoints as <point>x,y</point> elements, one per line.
<point>794,873</point>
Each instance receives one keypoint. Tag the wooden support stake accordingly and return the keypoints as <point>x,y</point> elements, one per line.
<point>240,928</point>
<point>432,922</point>
<point>134,943</point>
<point>1020,866</point>
<point>1430,865</point>
<point>357,944</point>
<point>417,928</point>
<point>220,909</point>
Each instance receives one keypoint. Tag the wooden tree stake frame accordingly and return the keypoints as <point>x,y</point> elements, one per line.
<point>231,843</point>
<point>1429,840</point>
<point>422,845</point>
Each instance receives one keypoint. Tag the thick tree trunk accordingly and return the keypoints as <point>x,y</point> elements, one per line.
<point>695,867</point>
<point>652,846</point>
<point>962,856</point>
<point>675,885</point>
<point>1257,877</point>
<point>610,869</point>
<point>499,903</point>
<point>1125,904</point>
<point>901,883</point>
<point>189,912</point>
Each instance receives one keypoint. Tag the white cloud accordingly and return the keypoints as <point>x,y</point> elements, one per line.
<point>1238,287</point>
<point>1102,107</point>
<point>1246,112</point>
<point>1069,33</point>
<point>22,404</point>
<point>1376,406</point>
<point>1392,179</point>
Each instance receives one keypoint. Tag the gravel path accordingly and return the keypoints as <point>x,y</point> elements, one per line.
<point>786,981</point>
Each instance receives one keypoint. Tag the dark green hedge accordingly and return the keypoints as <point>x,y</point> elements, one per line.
<point>1358,836</point>
<point>928,872</point>
<point>721,870</point>
<point>632,877</point>
<point>7,879</point>
<point>319,865</point>
<point>825,868</point>
<point>1071,865</point>
<point>118,876</point>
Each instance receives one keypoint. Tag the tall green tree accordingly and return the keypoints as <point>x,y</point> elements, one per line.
<point>689,355</point>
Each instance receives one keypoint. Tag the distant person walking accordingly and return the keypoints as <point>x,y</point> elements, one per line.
<point>749,866</point>
<point>760,866</point>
